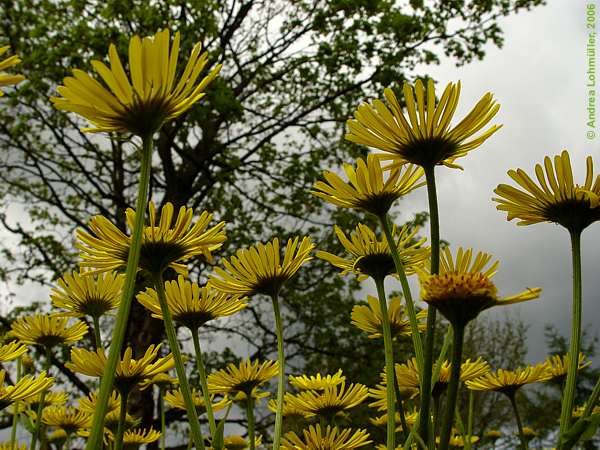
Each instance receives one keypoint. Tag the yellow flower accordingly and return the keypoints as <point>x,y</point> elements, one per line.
<point>86,295</point>
<point>8,446</point>
<point>464,288</point>
<point>328,402</point>
<point>331,439</point>
<point>530,433</point>
<point>26,387</point>
<point>175,399</point>
<point>12,350</point>
<point>5,78</point>
<point>259,269</point>
<point>457,441</point>
<point>381,421</point>
<point>492,434</point>
<point>409,388</point>
<point>151,99</point>
<point>59,436</point>
<point>244,377</point>
<point>66,417</point>
<point>50,399</point>
<point>162,380</point>
<point>369,318</point>
<point>372,258</point>
<point>88,404</point>
<point>164,244</point>
<point>132,439</point>
<point>317,382</point>
<point>191,305</point>
<point>578,411</point>
<point>129,371</point>
<point>507,381</point>
<point>558,366</point>
<point>425,138</point>
<point>366,188</point>
<point>239,443</point>
<point>288,411</point>
<point>556,200</point>
<point>469,370</point>
<point>47,330</point>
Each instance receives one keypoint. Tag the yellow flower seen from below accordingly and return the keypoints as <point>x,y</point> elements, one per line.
<point>191,305</point>
<point>47,330</point>
<point>164,244</point>
<point>507,381</point>
<point>555,197</point>
<point>26,387</point>
<point>425,138</point>
<point>366,188</point>
<point>243,377</point>
<point>7,79</point>
<point>133,439</point>
<point>9,446</point>
<point>175,399</point>
<point>239,443</point>
<point>67,418</point>
<point>558,366</point>
<point>332,438</point>
<point>259,269</point>
<point>288,411</point>
<point>12,350</point>
<point>317,382</point>
<point>469,370</point>
<point>330,401</point>
<point>153,96</point>
<point>89,403</point>
<point>407,390</point>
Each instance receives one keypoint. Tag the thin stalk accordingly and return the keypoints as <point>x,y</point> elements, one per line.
<point>38,417</point>
<point>452,394</point>
<point>470,420</point>
<point>389,365</point>
<point>67,442</point>
<point>190,407</point>
<point>16,413</point>
<point>592,401</point>
<point>106,385</point>
<point>201,370</point>
<point>281,377</point>
<point>163,423</point>
<point>410,306</point>
<point>434,225</point>
<point>436,415</point>
<point>571,383</point>
<point>97,336</point>
<point>122,416</point>
<point>405,429</point>
<point>513,402</point>
<point>250,417</point>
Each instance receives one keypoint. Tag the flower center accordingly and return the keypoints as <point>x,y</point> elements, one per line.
<point>430,151</point>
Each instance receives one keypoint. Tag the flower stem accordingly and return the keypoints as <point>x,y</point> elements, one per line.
<point>163,423</point>
<point>250,417</point>
<point>513,402</point>
<point>38,417</point>
<point>452,395</point>
<point>470,420</point>
<point>405,429</point>
<point>122,415</point>
<point>106,385</point>
<point>16,413</point>
<point>434,225</point>
<point>281,377</point>
<point>571,383</point>
<point>203,382</point>
<point>97,336</point>
<point>190,407</point>
<point>389,365</point>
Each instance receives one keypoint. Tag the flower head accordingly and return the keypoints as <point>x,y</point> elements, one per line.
<point>85,295</point>
<point>259,269</point>
<point>244,377</point>
<point>314,438</point>
<point>371,257</point>
<point>370,319</point>
<point>379,392</point>
<point>5,78</point>
<point>317,382</point>
<point>556,200</point>
<point>328,402</point>
<point>26,387</point>
<point>366,188</point>
<point>12,350</point>
<point>464,288</point>
<point>469,370</point>
<point>89,403</point>
<point>191,305</point>
<point>176,400</point>
<point>47,330</point>
<point>239,443</point>
<point>164,244</point>
<point>152,97</point>
<point>133,439</point>
<point>507,381</point>
<point>67,418</point>
<point>558,366</point>
<point>425,138</point>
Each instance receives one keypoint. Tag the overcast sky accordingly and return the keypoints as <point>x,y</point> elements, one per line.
<point>539,78</point>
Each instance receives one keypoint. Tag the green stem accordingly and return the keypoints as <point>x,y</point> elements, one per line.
<point>470,420</point>
<point>513,402</point>
<point>571,383</point>
<point>201,370</point>
<point>16,413</point>
<point>452,394</point>
<point>405,429</point>
<point>192,414</point>
<point>434,225</point>
<point>592,401</point>
<point>389,364</point>
<point>250,417</point>
<point>436,415</point>
<point>97,336</point>
<point>106,385</point>
<point>281,377</point>
<point>163,423</point>
<point>38,417</point>
<point>122,416</point>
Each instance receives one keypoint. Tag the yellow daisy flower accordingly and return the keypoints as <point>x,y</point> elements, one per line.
<point>47,330</point>
<point>239,443</point>
<point>578,411</point>
<point>162,380</point>
<point>425,138</point>
<point>330,401</point>
<point>317,382</point>
<point>67,418</point>
<point>464,288</point>
<point>366,188</point>
<point>381,421</point>
<point>259,269</point>
<point>529,433</point>
<point>26,387</point>
<point>507,381</point>
<point>469,370</point>
<point>288,411</point>
<point>85,295</point>
<point>256,394</point>
<point>151,99</point>
<point>191,305</point>
<point>408,374</point>
<point>372,258</point>
<point>164,244</point>
<point>175,399</point>
<point>129,371</point>
<point>12,350</point>
<point>555,198</point>
<point>457,441</point>
<point>9,445</point>
<point>369,318</point>
<point>133,439</point>
<point>558,366</point>
<point>379,392</point>
<point>88,404</point>
<point>30,405</point>
<point>58,436</point>
<point>244,377</point>
<point>493,434</point>
<point>7,79</point>
<point>331,439</point>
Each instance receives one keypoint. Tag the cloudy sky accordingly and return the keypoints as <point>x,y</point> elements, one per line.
<point>539,78</point>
